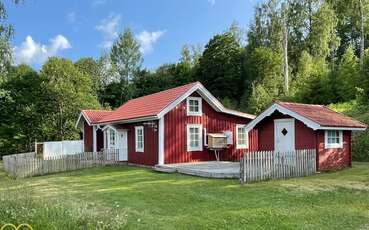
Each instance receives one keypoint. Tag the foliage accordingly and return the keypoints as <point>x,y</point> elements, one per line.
<point>220,67</point>
<point>348,76</point>
<point>265,67</point>
<point>125,55</point>
<point>68,91</point>
<point>23,109</point>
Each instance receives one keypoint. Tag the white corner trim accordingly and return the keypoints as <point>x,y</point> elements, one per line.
<point>333,145</point>
<point>199,101</point>
<point>137,149</point>
<point>94,142</point>
<point>161,158</point>
<point>81,114</point>
<point>189,148</point>
<point>244,146</point>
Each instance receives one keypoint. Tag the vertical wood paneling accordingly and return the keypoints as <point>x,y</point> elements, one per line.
<point>176,134</point>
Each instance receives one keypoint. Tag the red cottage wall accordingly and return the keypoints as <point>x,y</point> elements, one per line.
<point>175,132</point>
<point>304,136</point>
<point>87,138</point>
<point>150,154</point>
<point>331,159</point>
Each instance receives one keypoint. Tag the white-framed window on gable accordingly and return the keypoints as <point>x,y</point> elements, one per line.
<point>333,139</point>
<point>194,137</point>
<point>139,138</point>
<point>242,137</point>
<point>194,106</point>
<point>111,139</point>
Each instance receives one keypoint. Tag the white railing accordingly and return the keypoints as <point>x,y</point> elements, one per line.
<point>28,165</point>
<point>265,165</point>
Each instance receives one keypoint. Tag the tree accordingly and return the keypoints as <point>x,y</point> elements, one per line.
<point>68,91</point>
<point>22,110</point>
<point>266,68</point>
<point>91,68</point>
<point>347,76</point>
<point>220,67</point>
<point>125,55</point>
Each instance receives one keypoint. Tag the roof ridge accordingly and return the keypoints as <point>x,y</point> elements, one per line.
<point>133,99</point>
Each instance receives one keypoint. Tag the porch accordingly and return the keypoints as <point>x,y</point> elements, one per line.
<point>210,169</point>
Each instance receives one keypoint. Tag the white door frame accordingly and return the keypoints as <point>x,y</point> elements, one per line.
<point>288,120</point>
<point>123,150</point>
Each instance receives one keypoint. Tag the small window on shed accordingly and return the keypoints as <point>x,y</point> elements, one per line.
<point>194,106</point>
<point>333,139</point>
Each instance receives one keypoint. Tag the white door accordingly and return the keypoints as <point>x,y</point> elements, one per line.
<point>122,145</point>
<point>284,135</point>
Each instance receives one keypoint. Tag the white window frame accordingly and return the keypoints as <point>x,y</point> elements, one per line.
<point>137,148</point>
<point>191,113</point>
<point>242,146</point>
<point>200,147</point>
<point>333,145</point>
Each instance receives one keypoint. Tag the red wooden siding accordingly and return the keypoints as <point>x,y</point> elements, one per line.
<point>99,139</point>
<point>330,159</point>
<point>87,138</point>
<point>150,154</point>
<point>307,138</point>
<point>175,132</point>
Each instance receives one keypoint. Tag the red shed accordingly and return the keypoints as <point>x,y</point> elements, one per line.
<point>288,126</point>
<point>168,127</point>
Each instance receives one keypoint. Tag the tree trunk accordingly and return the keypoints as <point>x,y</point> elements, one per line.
<point>285,48</point>
<point>361,32</point>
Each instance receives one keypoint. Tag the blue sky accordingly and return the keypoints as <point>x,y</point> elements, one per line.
<point>83,28</point>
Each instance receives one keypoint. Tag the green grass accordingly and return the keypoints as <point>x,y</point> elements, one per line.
<point>138,198</point>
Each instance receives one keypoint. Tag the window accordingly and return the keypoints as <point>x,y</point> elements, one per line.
<point>241,137</point>
<point>194,137</point>
<point>139,134</point>
<point>194,106</point>
<point>111,139</point>
<point>333,139</point>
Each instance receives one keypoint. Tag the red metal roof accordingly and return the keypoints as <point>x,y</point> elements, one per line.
<point>94,116</point>
<point>147,106</point>
<point>322,115</point>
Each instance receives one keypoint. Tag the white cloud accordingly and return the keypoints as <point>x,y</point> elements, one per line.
<point>148,39</point>
<point>109,28</point>
<point>212,2</point>
<point>31,52</point>
<point>96,3</point>
<point>71,17</point>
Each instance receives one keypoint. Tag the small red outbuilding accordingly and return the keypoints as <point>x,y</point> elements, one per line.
<point>172,126</point>
<point>286,126</point>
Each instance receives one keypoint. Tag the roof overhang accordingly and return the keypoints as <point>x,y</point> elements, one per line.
<point>117,129</point>
<point>133,120</point>
<point>311,124</point>
<point>79,120</point>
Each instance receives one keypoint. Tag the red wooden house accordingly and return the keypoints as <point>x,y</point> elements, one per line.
<point>167,127</point>
<point>288,126</point>
<point>172,126</point>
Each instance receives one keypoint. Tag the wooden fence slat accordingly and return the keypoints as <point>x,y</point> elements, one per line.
<point>264,165</point>
<point>29,164</point>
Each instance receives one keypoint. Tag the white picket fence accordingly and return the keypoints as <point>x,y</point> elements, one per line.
<point>29,164</point>
<point>265,165</point>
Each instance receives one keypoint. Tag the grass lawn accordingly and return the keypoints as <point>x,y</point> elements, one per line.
<point>137,198</point>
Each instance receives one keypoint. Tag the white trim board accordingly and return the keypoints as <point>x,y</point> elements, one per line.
<point>311,124</point>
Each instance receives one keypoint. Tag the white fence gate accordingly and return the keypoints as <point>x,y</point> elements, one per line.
<point>60,148</point>
<point>265,165</point>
